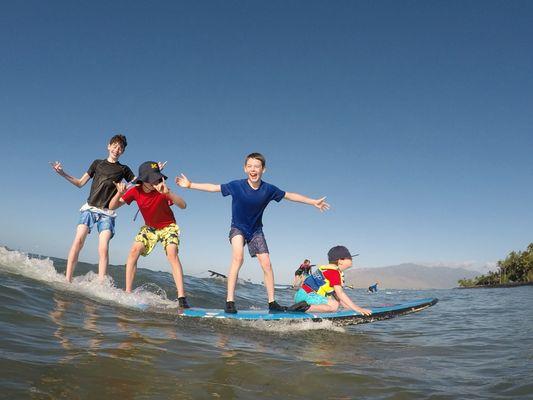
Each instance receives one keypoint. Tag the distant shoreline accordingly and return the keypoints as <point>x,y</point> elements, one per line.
<point>501,285</point>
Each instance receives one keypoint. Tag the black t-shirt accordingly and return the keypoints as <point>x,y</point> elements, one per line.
<point>104,175</point>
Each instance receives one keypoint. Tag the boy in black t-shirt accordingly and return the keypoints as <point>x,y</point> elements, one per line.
<point>96,211</point>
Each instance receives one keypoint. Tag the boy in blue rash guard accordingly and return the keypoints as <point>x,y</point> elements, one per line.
<point>249,199</point>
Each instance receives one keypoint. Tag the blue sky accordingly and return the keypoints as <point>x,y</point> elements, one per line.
<point>414,118</point>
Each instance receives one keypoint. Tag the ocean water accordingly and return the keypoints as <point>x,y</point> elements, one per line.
<point>86,340</point>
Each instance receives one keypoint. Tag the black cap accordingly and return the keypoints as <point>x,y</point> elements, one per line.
<point>338,252</point>
<point>149,172</point>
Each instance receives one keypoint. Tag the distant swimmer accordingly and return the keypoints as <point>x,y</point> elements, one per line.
<point>373,288</point>
<point>217,274</point>
<point>303,271</point>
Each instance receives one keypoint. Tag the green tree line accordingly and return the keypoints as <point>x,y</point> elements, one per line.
<point>516,268</point>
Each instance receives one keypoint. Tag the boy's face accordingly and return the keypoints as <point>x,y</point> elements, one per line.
<point>345,263</point>
<point>115,150</point>
<point>149,187</point>
<point>254,169</point>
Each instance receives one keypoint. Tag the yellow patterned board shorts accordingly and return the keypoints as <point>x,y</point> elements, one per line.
<point>149,237</point>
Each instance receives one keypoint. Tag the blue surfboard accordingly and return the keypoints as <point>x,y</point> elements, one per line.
<point>339,318</point>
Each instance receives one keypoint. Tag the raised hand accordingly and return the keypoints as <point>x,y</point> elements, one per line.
<point>56,165</point>
<point>161,165</point>
<point>121,187</point>
<point>321,204</point>
<point>162,187</point>
<point>183,181</point>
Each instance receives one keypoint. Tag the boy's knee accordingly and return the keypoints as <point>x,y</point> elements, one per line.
<point>171,250</point>
<point>237,259</point>
<point>264,262</point>
<point>267,267</point>
<point>78,243</point>
<point>136,249</point>
<point>103,248</point>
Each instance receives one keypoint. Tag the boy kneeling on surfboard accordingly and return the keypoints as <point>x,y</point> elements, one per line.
<point>154,200</point>
<point>322,290</point>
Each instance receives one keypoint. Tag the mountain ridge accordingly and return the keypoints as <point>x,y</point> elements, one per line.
<point>408,276</point>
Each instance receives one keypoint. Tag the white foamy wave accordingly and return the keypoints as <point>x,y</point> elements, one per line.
<point>142,298</point>
<point>19,263</point>
<point>89,285</point>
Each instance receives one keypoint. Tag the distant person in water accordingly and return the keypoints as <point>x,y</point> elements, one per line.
<point>322,291</point>
<point>96,212</point>
<point>154,200</point>
<point>303,271</point>
<point>373,288</point>
<point>250,197</point>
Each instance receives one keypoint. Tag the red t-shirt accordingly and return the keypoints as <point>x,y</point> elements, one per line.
<point>154,206</point>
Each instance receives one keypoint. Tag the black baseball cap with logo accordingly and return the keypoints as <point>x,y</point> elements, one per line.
<point>149,172</point>
<point>338,252</point>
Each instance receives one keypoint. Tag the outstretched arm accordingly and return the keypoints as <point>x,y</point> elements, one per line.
<point>116,201</point>
<point>347,302</point>
<point>56,166</point>
<point>177,200</point>
<point>318,203</point>
<point>184,182</point>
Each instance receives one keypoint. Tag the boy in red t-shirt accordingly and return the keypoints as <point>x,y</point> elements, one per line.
<point>322,291</point>
<point>154,200</point>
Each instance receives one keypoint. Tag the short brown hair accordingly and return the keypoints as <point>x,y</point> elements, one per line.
<point>256,156</point>
<point>120,139</point>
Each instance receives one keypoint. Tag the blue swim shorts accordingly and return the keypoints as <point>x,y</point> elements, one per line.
<point>310,298</point>
<point>256,245</point>
<point>103,222</point>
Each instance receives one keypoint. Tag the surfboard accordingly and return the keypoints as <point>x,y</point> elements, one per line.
<point>340,318</point>
<point>282,287</point>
